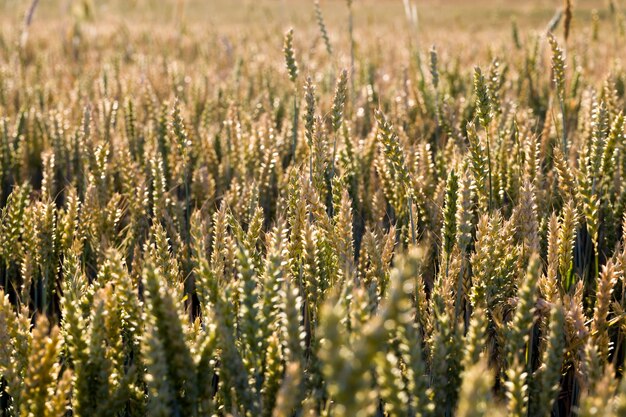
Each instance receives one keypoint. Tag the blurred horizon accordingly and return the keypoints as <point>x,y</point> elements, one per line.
<point>478,29</point>
<point>464,15</point>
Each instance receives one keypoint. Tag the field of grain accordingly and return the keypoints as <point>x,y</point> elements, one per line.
<point>300,208</point>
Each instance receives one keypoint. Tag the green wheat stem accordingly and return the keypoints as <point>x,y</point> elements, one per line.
<point>459,291</point>
<point>564,127</point>
<point>411,219</point>
<point>296,116</point>
<point>489,169</point>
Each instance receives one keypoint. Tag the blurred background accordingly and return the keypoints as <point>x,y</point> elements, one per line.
<point>252,30</point>
<point>433,14</point>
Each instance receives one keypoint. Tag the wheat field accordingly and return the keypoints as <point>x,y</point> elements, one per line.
<point>300,208</point>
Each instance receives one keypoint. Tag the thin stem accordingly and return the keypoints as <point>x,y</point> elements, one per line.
<point>596,262</point>
<point>565,152</point>
<point>489,168</point>
<point>44,292</point>
<point>311,168</point>
<point>351,32</point>
<point>295,124</point>
<point>332,167</point>
<point>459,289</point>
<point>5,278</point>
<point>331,208</point>
<point>437,126</point>
<point>28,20</point>
<point>410,201</point>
